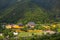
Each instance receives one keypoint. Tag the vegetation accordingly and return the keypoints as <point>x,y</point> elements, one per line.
<point>38,32</point>
<point>28,10</point>
<point>45,13</point>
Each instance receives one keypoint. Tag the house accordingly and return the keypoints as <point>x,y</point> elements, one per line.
<point>20,24</point>
<point>49,32</point>
<point>31,24</point>
<point>13,26</point>
<point>15,33</point>
<point>1,34</point>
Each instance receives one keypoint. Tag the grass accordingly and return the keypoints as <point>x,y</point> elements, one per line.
<point>29,34</point>
<point>25,34</point>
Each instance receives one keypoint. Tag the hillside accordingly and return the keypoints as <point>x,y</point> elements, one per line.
<point>28,10</point>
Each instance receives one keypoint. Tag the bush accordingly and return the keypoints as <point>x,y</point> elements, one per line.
<point>1,37</point>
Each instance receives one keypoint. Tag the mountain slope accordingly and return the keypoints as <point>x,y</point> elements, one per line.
<point>28,10</point>
<point>23,11</point>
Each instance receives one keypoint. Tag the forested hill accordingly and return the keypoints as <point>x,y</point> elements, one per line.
<point>39,11</point>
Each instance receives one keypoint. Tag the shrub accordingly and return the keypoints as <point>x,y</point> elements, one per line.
<point>1,37</point>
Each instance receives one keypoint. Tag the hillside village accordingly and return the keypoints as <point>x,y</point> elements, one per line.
<point>29,29</point>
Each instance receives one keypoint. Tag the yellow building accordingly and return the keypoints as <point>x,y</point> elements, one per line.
<point>13,26</point>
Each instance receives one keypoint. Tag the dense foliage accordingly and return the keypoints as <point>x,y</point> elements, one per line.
<point>30,10</point>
